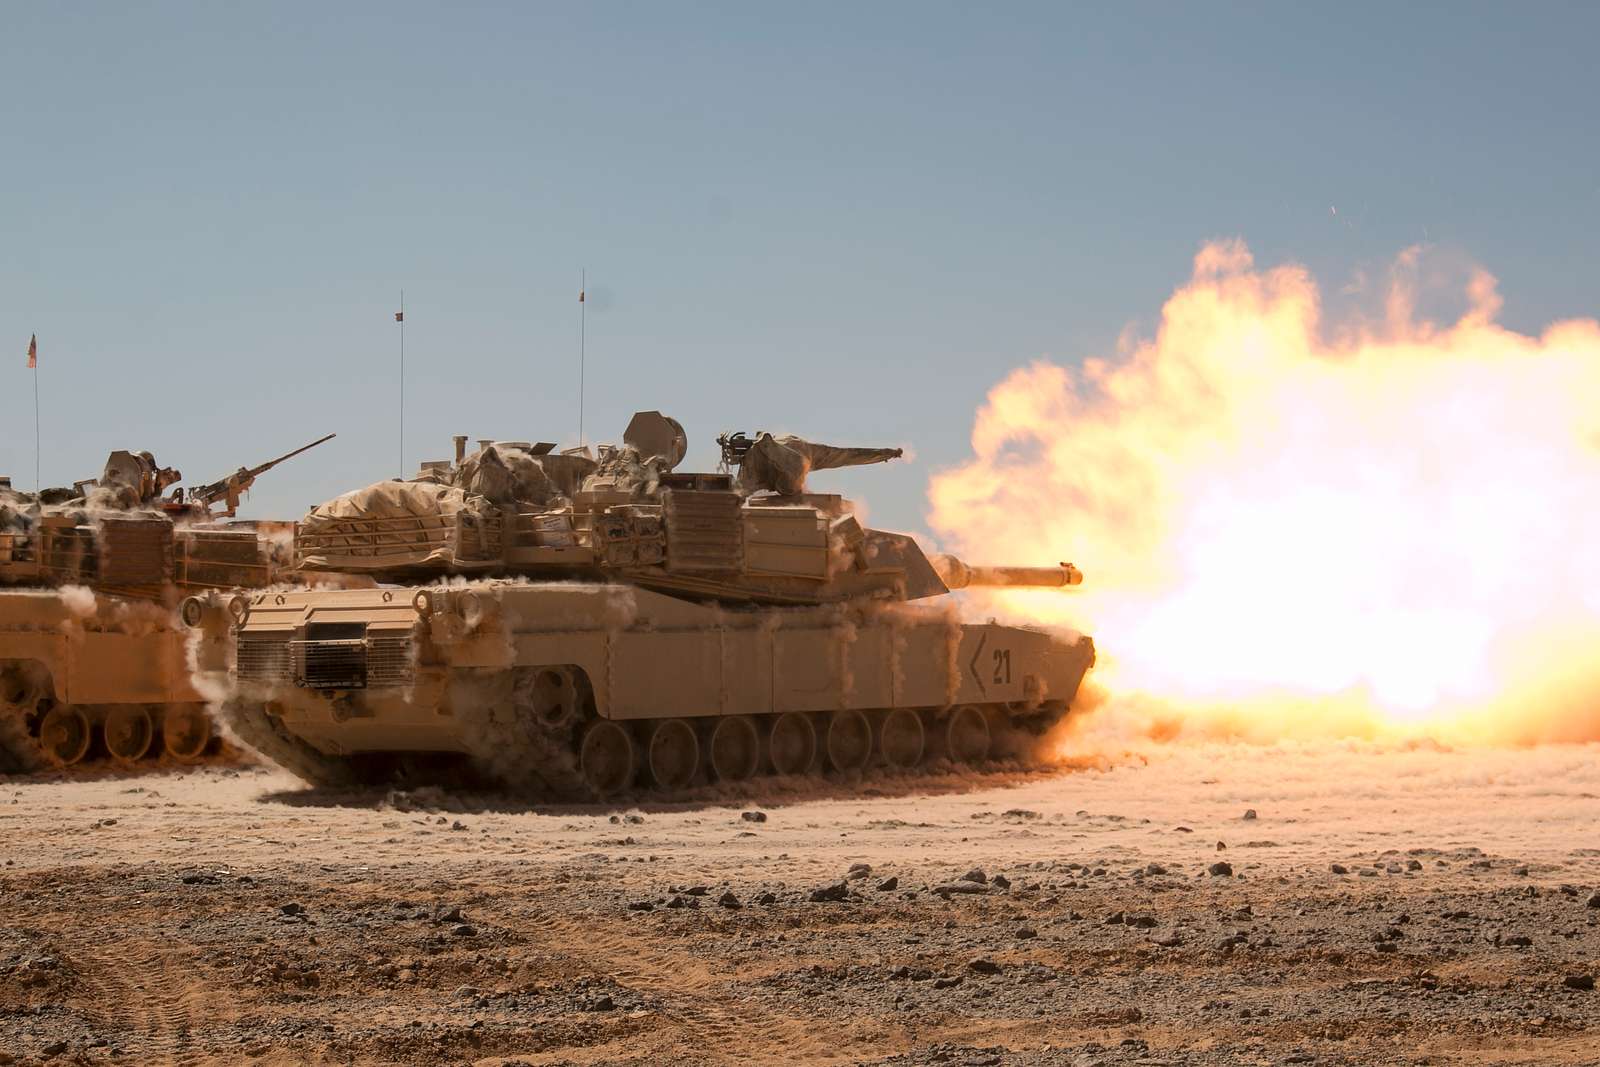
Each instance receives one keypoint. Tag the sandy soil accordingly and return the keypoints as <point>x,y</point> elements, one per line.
<point>1381,906</point>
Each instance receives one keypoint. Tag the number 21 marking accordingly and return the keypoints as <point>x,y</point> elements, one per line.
<point>1002,666</point>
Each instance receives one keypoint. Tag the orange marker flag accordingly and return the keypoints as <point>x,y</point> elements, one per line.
<point>399,316</point>
<point>33,352</point>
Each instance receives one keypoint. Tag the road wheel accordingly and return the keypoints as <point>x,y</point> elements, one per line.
<point>607,759</point>
<point>185,731</point>
<point>735,749</point>
<point>792,743</point>
<point>849,741</point>
<point>64,735</point>
<point>901,738</point>
<point>550,694</point>
<point>674,754</point>
<point>966,735</point>
<point>129,732</point>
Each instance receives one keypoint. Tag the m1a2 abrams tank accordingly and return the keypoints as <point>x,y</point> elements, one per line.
<point>624,621</point>
<point>93,659</point>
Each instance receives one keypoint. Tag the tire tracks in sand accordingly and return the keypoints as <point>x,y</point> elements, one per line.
<point>147,996</point>
<point>712,1024</point>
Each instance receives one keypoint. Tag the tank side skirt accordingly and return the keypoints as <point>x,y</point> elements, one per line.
<point>50,651</point>
<point>671,674</point>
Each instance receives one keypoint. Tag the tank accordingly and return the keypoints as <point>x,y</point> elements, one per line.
<point>93,658</point>
<point>84,676</point>
<point>583,624</point>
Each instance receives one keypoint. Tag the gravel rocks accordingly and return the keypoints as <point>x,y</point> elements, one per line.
<point>830,893</point>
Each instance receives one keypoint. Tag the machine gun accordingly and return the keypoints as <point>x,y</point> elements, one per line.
<point>228,490</point>
<point>734,448</point>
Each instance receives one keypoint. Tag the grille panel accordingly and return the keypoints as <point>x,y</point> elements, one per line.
<point>330,664</point>
<point>264,660</point>
<point>342,663</point>
<point>388,661</point>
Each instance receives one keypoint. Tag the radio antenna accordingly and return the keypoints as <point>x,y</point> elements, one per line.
<point>583,349</point>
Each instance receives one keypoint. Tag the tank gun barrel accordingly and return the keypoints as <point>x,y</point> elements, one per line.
<point>960,575</point>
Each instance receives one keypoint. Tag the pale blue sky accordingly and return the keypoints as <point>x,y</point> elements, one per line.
<point>846,221</point>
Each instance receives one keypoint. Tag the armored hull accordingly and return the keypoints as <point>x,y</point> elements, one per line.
<point>85,677</point>
<point>594,688</point>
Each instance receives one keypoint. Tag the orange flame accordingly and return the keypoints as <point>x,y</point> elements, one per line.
<point>1391,532</point>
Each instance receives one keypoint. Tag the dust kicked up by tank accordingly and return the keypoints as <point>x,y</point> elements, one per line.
<point>1307,524</point>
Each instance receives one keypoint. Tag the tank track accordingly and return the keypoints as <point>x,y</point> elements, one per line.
<point>507,743</point>
<point>546,763</point>
<point>252,725</point>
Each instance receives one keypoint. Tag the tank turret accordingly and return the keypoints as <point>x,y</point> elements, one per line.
<point>749,533</point>
<point>119,534</point>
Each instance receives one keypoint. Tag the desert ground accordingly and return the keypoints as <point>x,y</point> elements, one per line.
<point>1332,903</point>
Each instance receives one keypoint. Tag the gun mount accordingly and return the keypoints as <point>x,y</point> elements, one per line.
<point>230,489</point>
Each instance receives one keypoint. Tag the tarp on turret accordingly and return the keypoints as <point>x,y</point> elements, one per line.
<point>396,525</point>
